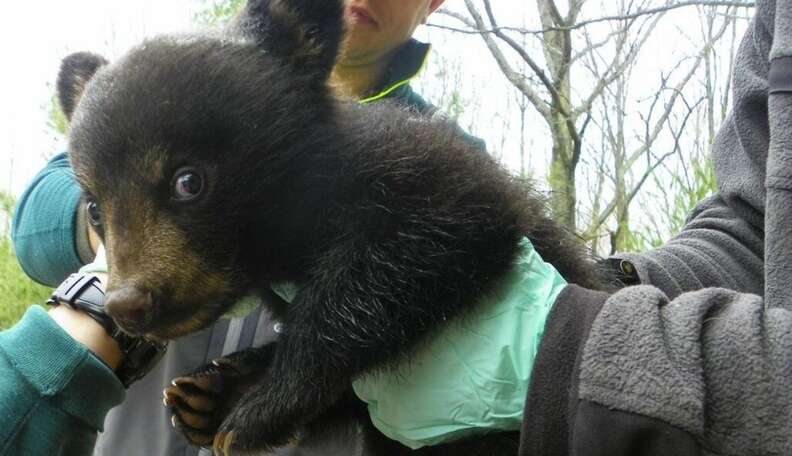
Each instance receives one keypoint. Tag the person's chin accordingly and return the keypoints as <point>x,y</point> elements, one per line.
<point>360,51</point>
<point>359,25</point>
<point>360,37</point>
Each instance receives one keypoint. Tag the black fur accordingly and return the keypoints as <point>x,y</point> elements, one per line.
<point>392,224</point>
<point>297,32</point>
<point>76,70</point>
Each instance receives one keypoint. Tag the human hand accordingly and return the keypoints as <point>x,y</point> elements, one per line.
<point>82,327</point>
<point>88,331</point>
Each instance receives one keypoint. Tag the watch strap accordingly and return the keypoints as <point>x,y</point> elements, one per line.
<point>83,292</point>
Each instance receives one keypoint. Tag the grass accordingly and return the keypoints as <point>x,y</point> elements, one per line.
<point>17,291</point>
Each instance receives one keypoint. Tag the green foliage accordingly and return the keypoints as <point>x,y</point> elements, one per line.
<point>17,291</point>
<point>455,106</point>
<point>6,208</point>
<point>685,198</point>
<point>442,78</point>
<point>56,120</point>
<point>633,241</point>
<point>218,12</point>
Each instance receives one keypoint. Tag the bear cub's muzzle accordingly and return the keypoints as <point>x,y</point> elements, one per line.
<point>131,307</point>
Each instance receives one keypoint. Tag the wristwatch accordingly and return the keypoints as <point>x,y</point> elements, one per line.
<point>83,292</point>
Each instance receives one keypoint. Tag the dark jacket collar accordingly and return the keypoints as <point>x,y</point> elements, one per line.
<point>407,62</point>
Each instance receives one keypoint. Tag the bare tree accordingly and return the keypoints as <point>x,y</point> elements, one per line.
<point>548,82</point>
<point>689,177</point>
<point>632,166</point>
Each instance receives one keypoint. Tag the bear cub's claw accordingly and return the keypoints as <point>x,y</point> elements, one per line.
<point>200,402</point>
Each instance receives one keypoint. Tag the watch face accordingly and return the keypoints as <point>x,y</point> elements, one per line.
<point>140,356</point>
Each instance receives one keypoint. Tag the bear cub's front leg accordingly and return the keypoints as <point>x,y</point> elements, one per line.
<point>200,402</point>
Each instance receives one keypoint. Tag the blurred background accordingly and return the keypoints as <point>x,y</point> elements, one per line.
<point>608,106</point>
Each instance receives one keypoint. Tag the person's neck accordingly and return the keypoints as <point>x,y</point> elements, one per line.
<point>355,81</point>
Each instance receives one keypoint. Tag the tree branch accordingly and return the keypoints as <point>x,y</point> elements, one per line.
<point>660,9</point>
<point>616,67</point>
<point>586,23</point>
<point>513,76</point>
<point>652,134</point>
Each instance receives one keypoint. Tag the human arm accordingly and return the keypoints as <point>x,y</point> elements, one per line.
<point>778,211</point>
<point>639,374</point>
<point>49,230</point>
<point>89,333</point>
<point>716,248</point>
<point>55,391</point>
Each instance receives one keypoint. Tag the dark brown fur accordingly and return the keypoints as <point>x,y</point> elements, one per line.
<point>391,224</point>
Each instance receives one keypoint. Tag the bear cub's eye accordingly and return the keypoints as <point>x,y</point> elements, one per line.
<point>94,213</point>
<point>188,183</point>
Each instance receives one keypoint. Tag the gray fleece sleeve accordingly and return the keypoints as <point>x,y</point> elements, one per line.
<point>717,248</point>
<point>714,363</point>
<point>778,206</point>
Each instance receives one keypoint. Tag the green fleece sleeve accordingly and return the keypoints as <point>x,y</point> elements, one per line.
<point>54,393</point>
<point>44,224</point>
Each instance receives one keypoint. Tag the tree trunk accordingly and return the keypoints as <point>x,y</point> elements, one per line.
<point>557,51</point>
<point>563,196</point>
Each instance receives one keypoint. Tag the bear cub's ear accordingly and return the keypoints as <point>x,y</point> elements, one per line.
<point>305,33</point>
<point>75,72</point>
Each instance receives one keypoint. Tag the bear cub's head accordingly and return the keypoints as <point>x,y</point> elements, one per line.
<point>179,145</point>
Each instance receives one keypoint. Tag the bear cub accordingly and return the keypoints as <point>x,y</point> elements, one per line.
<point>217,165</point>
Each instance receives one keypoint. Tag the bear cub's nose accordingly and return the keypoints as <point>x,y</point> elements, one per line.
<point>130,307</point>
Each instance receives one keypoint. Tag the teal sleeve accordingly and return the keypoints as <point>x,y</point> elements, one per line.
<point>44,224</point>
<point>54,393</point>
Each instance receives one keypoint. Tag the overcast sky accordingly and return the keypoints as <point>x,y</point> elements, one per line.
<point>34,37</point>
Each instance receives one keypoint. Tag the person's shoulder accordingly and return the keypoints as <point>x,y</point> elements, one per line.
<point>44,223</point>
<point>417,103</point>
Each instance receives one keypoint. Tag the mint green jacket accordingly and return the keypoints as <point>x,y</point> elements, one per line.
<point>54,393</point>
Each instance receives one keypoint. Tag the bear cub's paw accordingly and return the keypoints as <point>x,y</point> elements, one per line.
<point>201,401</point>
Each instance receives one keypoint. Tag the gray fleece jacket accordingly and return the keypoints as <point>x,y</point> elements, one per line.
<point>708,373</point>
